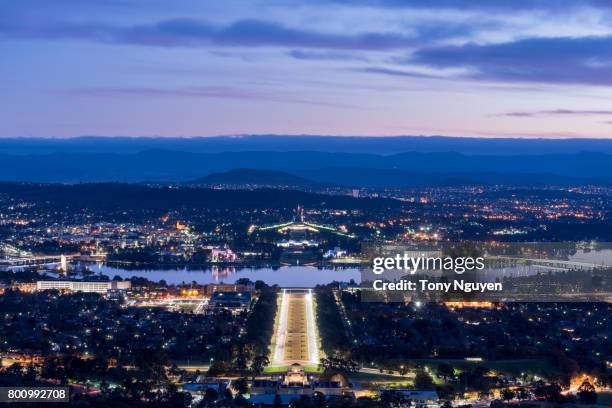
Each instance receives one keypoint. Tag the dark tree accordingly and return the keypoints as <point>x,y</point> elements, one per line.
<point>586,393</point>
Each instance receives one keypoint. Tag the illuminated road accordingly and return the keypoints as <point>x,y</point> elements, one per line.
<point>296,337</point>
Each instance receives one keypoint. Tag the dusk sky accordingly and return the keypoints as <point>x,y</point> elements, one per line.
<point>389,67</point>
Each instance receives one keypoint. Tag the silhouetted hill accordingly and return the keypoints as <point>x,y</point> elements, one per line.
<point>127,197</point>
<point>254,177</point>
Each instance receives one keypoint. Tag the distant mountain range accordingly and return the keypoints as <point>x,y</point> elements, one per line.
<point>308,161</point>
<point>348,169</point>
<point>314,143</point>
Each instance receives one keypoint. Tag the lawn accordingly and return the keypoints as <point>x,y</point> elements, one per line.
<point>532,366</point>
<point>274,369</point>
<point>370,377</point>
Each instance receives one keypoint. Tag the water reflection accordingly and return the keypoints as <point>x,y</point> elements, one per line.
<point>286,276</point>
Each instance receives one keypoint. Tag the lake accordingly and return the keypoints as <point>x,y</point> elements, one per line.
<point>284,276</point>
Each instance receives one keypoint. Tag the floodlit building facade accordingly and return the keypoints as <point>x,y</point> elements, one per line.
<point>83,286</point>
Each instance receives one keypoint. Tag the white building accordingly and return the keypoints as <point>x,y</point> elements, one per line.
<point>221,254</point>
<point>83,286</point>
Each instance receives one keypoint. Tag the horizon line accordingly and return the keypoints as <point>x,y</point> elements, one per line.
<point>306,135</point>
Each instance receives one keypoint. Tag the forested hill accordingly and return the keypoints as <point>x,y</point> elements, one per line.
<point>118,196</point>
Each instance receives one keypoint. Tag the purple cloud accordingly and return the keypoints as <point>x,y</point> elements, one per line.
<point>325,56</point>
<point>551,5</point>
<point>395,72</point>
<point>557,112</point>
<point>193,33</point>
<point>586,60</point>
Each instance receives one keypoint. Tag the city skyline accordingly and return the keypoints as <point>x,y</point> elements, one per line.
<point>467,68</point>
<point>306,203</point>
